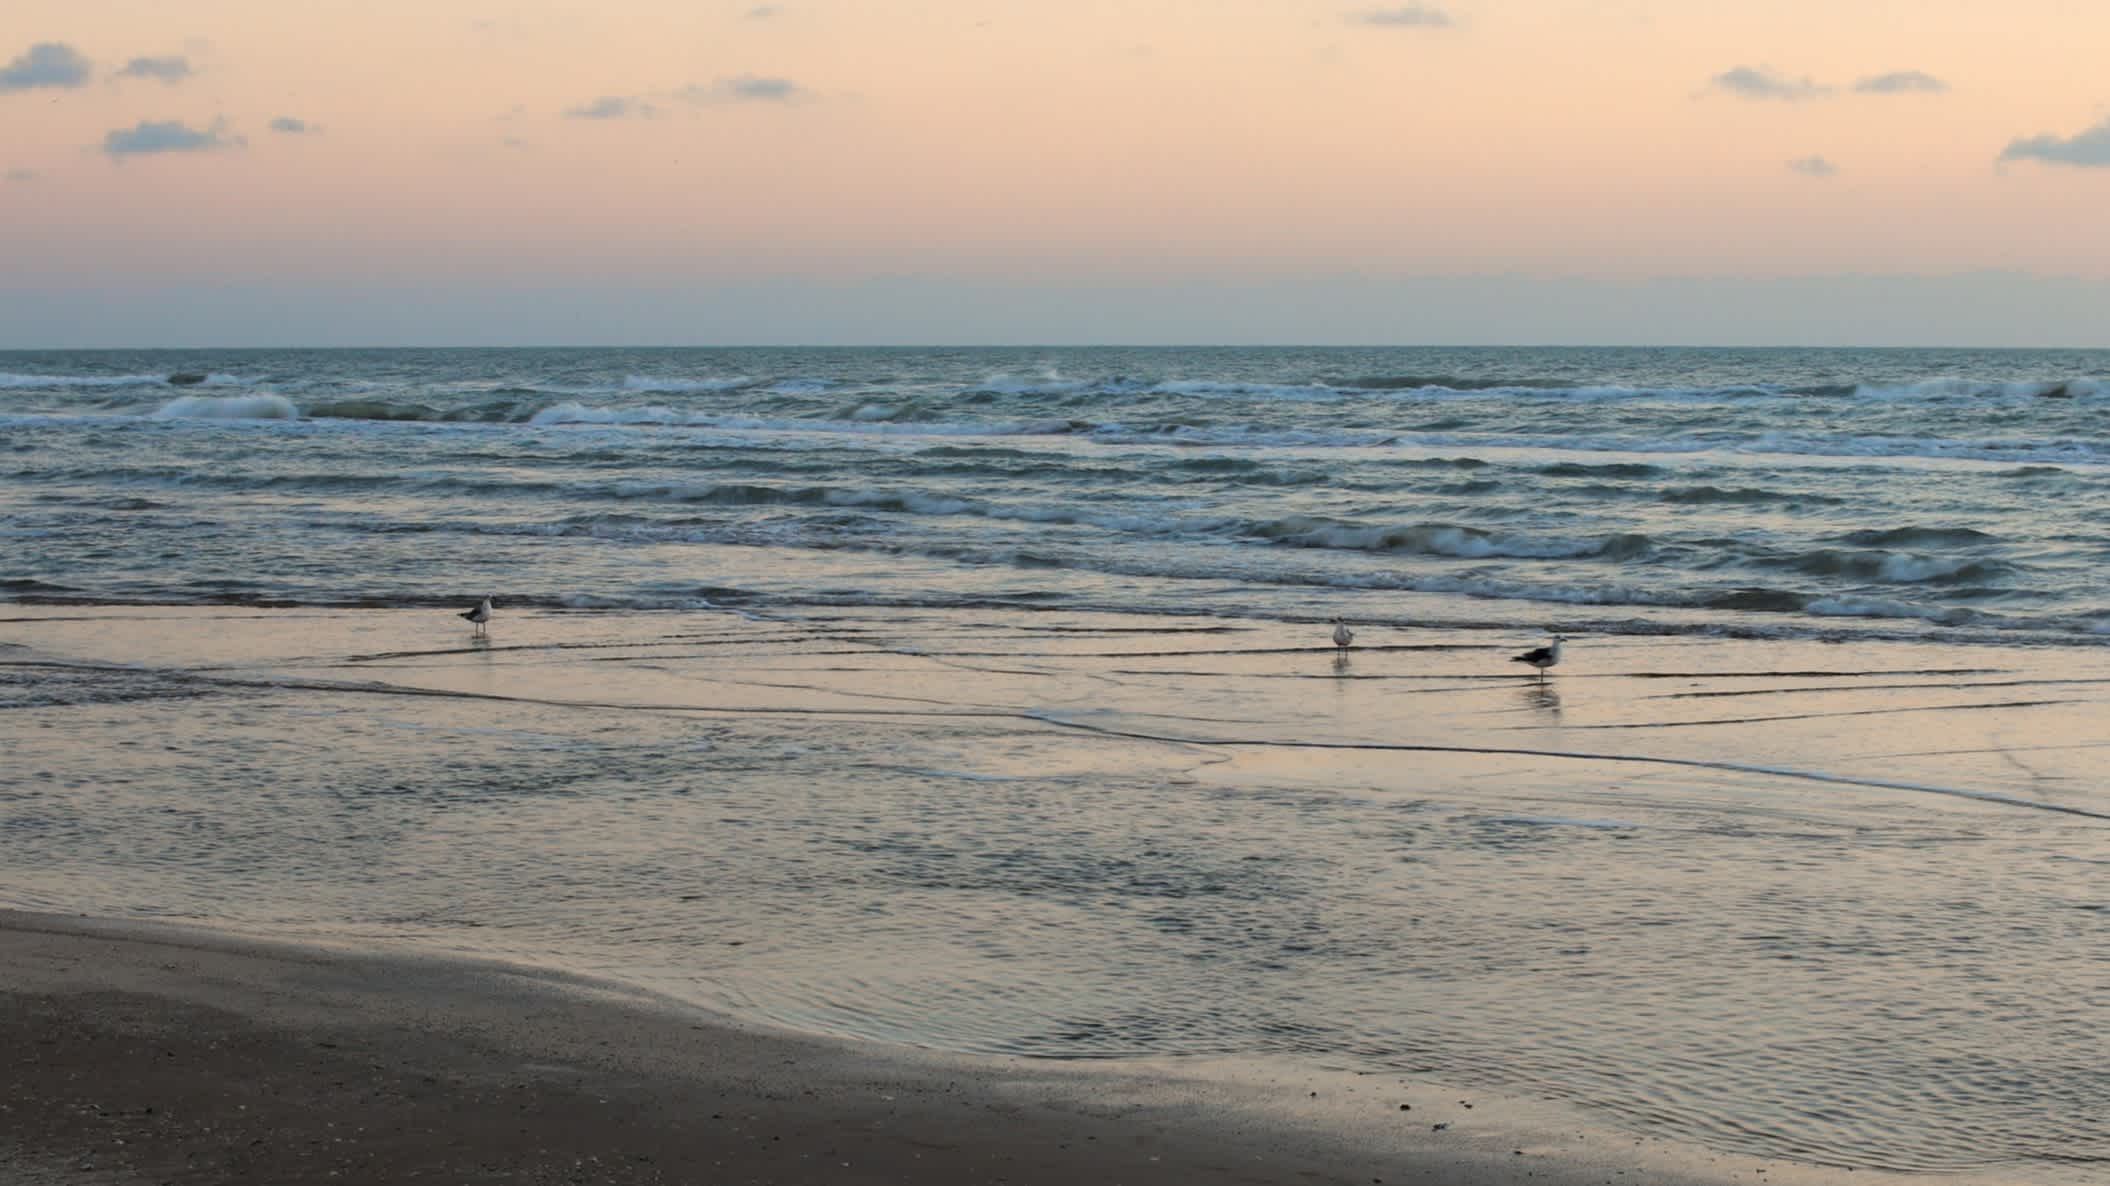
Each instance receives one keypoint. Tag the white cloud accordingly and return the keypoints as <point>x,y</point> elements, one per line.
<point>1813,166</point>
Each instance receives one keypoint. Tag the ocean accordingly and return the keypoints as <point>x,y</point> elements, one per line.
<point>1951,493</point>
<point>985,700</point>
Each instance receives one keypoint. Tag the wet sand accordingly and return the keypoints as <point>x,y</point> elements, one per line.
<point>1664,815</point>
<point>141,1053</point>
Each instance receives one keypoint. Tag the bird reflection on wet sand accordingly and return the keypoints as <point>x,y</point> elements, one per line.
<point>1541,698</point>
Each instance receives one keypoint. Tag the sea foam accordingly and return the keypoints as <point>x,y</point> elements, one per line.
<point>228,407</point>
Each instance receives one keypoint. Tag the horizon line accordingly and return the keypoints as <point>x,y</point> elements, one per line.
<point>2098,349</point>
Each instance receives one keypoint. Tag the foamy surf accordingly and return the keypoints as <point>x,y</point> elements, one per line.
<point>228,407</point>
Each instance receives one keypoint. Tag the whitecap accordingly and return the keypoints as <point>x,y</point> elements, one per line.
<point>574,413</point>
<point>1877,607</point>
<point>1048,382</point>
<point>228,407</point>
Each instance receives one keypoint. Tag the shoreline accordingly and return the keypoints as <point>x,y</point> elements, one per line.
<point>1437,610</point>
<point>155,1052</point>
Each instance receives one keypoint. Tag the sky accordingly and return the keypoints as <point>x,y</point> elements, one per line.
<point>235,172</point>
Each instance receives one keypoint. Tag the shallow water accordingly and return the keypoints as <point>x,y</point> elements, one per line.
<point>1789,493</point>
<point>1845,904</point>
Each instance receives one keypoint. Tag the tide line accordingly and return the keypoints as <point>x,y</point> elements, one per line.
<point>1586,756</point>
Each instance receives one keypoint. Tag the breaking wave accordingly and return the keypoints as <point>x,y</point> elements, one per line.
<point>1446,539</point>
<point>228,407</point>
<point>1899,568</point>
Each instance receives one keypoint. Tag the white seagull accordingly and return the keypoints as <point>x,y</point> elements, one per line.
<point>1542,657</point>
<point>480,615</point>
<point>1342,635</point>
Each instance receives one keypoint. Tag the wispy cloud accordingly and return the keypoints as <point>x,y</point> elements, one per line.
<point>748,88</point>
<point>2088,150</point>
<point>171,69</point>
<point>21,176</point>
<point>294,126</point>
<point>48,63</point>
<point>1412,16</point>
<point>1751,83</point>
<point>758,89</point>
<point>1813,166</point>
<point>167,135</point>
<point>1901,82</point>
<point>762,12</point>
<point>609,107</point>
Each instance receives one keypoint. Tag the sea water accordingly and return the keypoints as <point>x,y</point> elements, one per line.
<point>1847,492</point>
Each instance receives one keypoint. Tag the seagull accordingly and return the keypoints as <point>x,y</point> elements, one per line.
<point>1542,657</point>
<point>480,615</point>
<point>1342,635</point>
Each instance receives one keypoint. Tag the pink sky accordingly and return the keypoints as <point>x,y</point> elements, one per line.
<point>1081,142</point>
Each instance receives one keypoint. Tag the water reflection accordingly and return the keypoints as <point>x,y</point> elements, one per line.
<point>1543,700</point>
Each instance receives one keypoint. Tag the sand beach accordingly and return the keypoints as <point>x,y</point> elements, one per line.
<point>1006,895</point>
<point>147,1054</point>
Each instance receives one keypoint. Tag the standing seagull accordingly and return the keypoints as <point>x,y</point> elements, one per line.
<point>1542,657</point>
<point>480,615</point>
<point>1342,635</point>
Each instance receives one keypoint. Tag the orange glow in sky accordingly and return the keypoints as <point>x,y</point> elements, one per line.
<point>1022,141</point>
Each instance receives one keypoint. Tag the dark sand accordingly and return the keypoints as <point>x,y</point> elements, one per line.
<point>148,1054</point>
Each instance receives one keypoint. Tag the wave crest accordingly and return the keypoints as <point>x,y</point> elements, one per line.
<point>1448,539</point>
<point>228,407</point>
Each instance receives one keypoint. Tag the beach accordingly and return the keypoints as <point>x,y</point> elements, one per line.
<point>162,1054</point>
<point>1266,594</point>
<point>981,708</point>
<point>1131,883</point>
